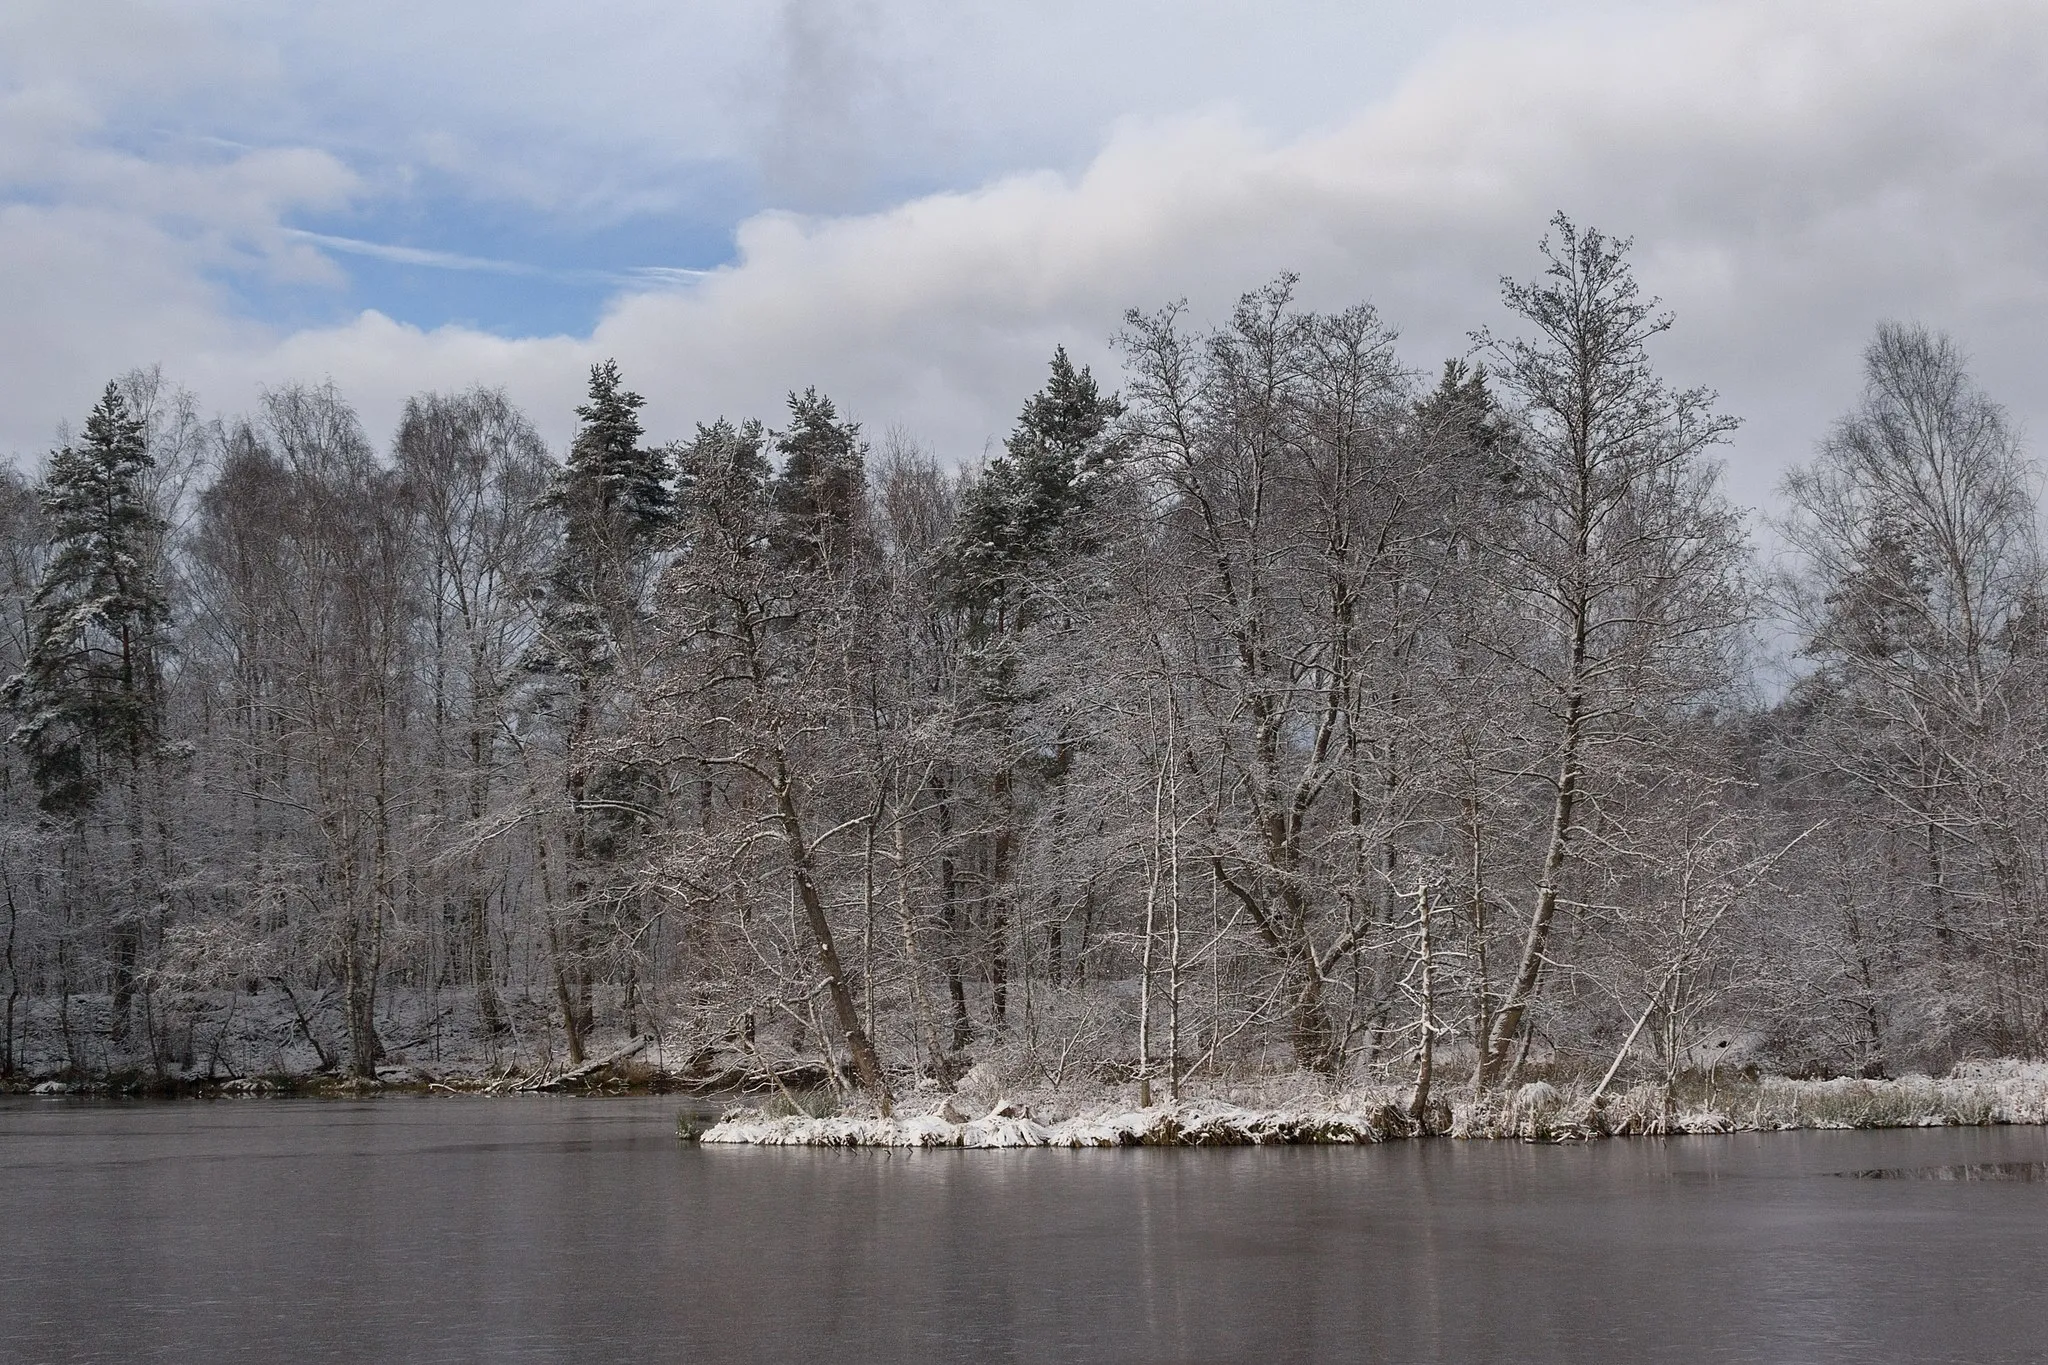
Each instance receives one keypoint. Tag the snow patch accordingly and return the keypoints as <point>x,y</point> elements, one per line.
<point>1186,1125</point>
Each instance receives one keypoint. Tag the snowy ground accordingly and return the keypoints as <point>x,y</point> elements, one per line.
<point>268,1040</point>
<point>1978,1093</point>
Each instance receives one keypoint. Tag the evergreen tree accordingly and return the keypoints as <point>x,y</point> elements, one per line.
<point>88,692</point>
<point>611,477</point>
<point>614,499</point>
<point>1027,510</point>
<point>1462,417</point>
<point>1027,515</point>
<point>723,477</point>
<point>616,506</point>
<point>817,495</point>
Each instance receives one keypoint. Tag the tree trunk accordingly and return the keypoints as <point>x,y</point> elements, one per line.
<point>565,996</point>
<point>949,919</point>
<point>482,966</point>
<point>1508,1023</point>
<point>867,1064</point>
<point>1001,850</point>
<point>359,986</point>
<point>1425,1065</point>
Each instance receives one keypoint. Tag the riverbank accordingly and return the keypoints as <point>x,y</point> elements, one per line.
<point>388,1081</point>
<point>1976,1093</point>
<point>273,1041</point>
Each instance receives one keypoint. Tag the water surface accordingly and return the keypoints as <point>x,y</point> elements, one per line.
<point>540,1229</point>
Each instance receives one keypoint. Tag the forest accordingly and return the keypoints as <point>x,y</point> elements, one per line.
<point>1269,706</point>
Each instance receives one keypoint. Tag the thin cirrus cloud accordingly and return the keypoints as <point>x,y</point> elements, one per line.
<point>1791,174</point>
<point>633,277</point>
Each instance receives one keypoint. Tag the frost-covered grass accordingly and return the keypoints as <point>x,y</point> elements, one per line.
<point>1183,1125</point>
<point>1977,1093</point>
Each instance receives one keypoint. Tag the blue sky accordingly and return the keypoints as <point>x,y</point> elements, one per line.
<point>436,257</point>
<point>911,202</point>
<point>525,215</point>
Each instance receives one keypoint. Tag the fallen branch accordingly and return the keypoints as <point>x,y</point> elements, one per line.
<point>590,1068</point>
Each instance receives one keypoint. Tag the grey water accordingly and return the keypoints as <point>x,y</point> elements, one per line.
<point>582,1230</point>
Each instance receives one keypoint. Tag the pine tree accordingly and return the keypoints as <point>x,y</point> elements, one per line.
<point>1026,511</point>
<point>723,477</point>
<point>817,494</point>
<point>1028,515</point>
<point>88,693</point>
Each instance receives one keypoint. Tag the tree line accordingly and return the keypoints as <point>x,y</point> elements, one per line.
<point>1279,709</point>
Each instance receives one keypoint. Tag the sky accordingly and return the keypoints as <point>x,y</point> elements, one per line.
<point>909,203</point>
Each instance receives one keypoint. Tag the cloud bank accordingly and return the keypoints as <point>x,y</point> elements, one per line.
<point>1791,175</point>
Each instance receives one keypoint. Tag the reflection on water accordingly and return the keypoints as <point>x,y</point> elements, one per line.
<point>580,1230</point>
<point>1971,1170</point>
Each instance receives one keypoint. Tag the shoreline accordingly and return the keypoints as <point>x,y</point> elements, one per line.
<point>289,1087</point>
<point>621,1070</point>
<point>1269,1111</point>
<point>1977,1094</point>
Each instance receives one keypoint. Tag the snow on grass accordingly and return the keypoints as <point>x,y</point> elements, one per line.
<point>1977,1093</point>
<point>1189,1125</point>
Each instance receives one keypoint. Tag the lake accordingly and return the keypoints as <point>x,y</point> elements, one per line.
<point>537,1229</point>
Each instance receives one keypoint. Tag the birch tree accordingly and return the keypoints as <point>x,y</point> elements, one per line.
<point>1919,593</point>
<point>474,469</point>
<point>1286,494</point>
<point>1625,553</point>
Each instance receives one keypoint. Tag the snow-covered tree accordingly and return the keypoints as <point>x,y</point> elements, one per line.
<point>616,503</point>
<point>1026,510</point>
<point>614,498</point>
<point>1920,594</point>
<point>1626,558</point>
<point>817,493</point>
<point>88,695</point>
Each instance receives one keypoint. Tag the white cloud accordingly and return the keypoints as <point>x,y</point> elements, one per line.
<point>1788,186</point>
<point>1791,173</point>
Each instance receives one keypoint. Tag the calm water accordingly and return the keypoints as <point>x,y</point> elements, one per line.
<point>581,1230</point>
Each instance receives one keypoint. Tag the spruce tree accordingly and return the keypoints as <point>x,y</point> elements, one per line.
<point>1461,418</point>
<point>616,505</point>
<point>614,499</point>
<point>88,693</point>
<point>613,477</point>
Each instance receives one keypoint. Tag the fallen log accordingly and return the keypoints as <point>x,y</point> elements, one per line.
<point>588,1069</point>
